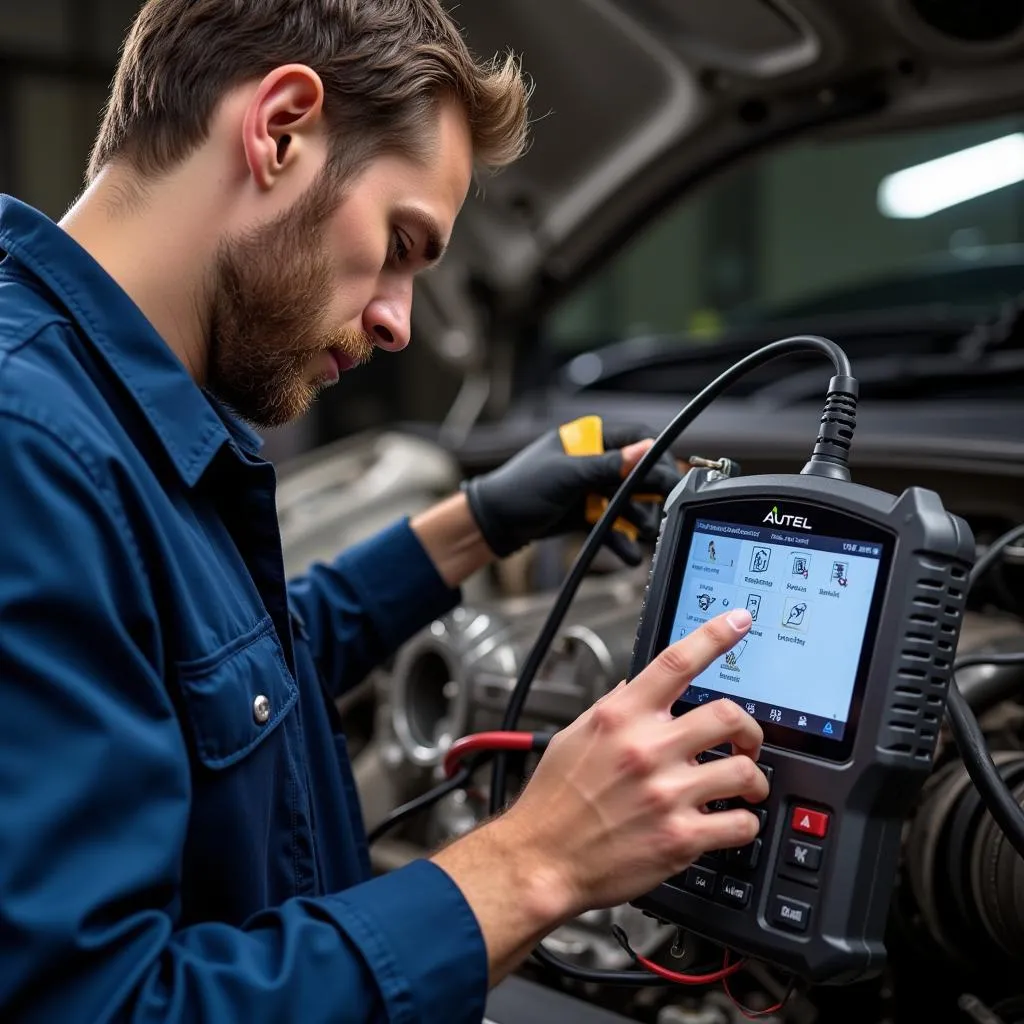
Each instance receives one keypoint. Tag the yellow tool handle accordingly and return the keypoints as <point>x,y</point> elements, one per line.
<point>585,436</point>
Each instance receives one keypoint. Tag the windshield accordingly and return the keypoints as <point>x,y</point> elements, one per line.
<point>870,225</point>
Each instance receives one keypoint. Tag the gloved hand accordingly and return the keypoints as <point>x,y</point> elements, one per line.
<point>542,492</point>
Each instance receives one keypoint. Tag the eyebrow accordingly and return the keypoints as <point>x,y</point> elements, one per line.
<point>435,245</point>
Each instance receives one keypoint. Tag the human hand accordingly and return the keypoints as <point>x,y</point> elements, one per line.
<point>542,492</point>
<point>617,802</point>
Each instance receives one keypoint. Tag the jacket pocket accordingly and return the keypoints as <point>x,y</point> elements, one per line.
<point>237,696</point>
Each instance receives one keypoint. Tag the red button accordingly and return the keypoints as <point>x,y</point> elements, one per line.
<point>814,823</point>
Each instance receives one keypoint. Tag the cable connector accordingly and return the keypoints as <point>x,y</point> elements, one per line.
<point>831,455</point>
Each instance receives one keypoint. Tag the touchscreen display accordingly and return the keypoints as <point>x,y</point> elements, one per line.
<point>809,597</point>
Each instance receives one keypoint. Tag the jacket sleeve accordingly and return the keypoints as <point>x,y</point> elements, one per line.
<point>360,608</point>
<point>94,811</point>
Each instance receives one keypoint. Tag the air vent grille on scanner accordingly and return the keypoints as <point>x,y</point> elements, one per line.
<point>926,658</point>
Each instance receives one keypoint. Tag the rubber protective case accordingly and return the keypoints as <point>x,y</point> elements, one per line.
<point>866,797</point>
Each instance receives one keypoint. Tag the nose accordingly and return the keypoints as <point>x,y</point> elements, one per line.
<point>387,318</point>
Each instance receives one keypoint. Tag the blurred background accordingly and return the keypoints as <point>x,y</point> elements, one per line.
<point>802,231</point>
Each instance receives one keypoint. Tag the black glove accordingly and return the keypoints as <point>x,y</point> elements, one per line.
<point>543,491</point>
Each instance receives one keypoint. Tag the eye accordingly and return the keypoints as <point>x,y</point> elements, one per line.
<point>399,250</point>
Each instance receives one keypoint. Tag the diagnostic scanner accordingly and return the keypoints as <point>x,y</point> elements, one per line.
<point>857,598</point>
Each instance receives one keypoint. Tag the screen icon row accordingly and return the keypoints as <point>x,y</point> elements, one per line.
<point>799,565</point>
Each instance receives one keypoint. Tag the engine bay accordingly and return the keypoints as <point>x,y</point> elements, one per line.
<point>956,928</point>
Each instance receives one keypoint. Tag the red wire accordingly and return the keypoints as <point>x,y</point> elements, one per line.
<point>750,1014</point>
<point>484,741</point>
<point>689,979</point>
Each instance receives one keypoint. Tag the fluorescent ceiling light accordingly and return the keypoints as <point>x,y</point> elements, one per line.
<point>926,188</point>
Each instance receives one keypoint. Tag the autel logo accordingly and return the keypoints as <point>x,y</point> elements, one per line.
<point>798,522</point>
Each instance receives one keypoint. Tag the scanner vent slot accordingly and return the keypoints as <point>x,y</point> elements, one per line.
<point>925,645</point>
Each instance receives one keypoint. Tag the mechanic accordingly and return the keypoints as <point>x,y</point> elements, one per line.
<point>180,838</point>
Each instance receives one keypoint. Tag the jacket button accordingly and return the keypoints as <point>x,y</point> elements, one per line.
<point>261,709</point>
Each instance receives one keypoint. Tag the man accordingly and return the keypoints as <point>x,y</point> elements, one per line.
<point>180,837</point>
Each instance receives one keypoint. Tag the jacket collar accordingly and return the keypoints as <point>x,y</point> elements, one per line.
<point>191,425</point>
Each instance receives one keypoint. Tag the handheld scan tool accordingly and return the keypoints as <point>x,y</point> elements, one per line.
<point>857,598</point>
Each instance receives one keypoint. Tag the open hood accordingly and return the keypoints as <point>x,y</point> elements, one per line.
<point>636,100</point>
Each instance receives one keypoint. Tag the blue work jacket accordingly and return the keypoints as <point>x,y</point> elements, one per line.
<point>180,835</point>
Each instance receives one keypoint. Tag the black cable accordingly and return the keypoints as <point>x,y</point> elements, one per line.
<point>994,792</point>
<point>967,734</point>
<point>825,452</point>
<point>424,800</point>
<point>993,553</point>
<point>828,459</point>
<point>981,694</point>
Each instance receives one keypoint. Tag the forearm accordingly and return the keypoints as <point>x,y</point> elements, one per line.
<point>516,898</point>
<point>358,609</point>
<point>450,536</point>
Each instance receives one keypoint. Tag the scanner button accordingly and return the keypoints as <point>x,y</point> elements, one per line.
<point>734,892</point>
<point>791,914</point>
<point>762,818</point>
<point>813,823</point>
<point>746,856</point>
<point>803,855</point>
<point>699,880</point>
<point>769,771</point>
<point>710,755</point>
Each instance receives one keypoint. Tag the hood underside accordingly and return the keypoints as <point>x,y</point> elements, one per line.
<point>637,100</point>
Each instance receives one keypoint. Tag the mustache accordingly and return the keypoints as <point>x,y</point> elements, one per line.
<point>356,344</point>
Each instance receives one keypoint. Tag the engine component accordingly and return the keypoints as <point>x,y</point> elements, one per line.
<point>340,493</point>
<point>967,881</point>
<point>455,677</point>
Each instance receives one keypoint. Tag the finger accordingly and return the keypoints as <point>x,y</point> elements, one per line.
<point>723,830</point>
<point>663,681</point>
<point>662,478</point>
<point>619,687</point>
<point>644,517</point>
<point>632,454</point>
<point>721,721</point>
<point>724,778</point>
<point>622,435</point>
<point>628,550</point>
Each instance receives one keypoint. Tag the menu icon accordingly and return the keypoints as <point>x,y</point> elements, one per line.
<point>759,559</point>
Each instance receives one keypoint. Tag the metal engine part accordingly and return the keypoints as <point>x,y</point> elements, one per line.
<point>343,493</point>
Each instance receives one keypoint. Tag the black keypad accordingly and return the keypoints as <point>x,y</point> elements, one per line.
<point>789,913</point>
<point>734,892</point>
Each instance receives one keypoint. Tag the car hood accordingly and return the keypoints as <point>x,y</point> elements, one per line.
<point>637,100</point>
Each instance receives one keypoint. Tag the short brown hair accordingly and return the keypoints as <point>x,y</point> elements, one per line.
<point>385,65</point>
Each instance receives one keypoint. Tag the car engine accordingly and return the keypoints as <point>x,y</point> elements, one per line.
<point>957,919</point>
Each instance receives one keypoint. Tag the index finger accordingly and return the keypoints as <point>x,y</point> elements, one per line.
<point>666,678</point>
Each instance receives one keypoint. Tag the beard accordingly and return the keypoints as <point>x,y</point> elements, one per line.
<point>269,311</point>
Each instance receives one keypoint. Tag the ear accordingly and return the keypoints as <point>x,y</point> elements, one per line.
<point>282,122</point>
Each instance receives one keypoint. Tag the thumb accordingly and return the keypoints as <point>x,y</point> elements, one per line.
<point>633,453</point>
